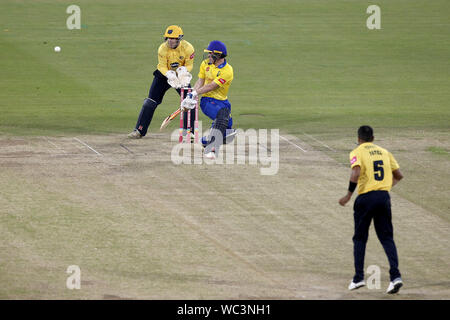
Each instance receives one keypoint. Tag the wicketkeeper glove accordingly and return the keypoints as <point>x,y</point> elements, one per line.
<point>181,69</point>
<point>188,104</point>
<point>172,79</point>
<point>184,76</point>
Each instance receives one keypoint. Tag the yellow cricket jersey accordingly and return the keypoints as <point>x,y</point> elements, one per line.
<point>376,165</point>
<point>171,59</point>
<point>222,75</point>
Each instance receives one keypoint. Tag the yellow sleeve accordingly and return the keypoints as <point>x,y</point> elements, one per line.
<point>224,77</point>
<point>201,73</point>
<point>394,163</point>
<point>189,54</point>
<point>162,59</point>
<point>355,159</point>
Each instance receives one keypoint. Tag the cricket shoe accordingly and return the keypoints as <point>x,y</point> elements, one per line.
<point>357,285</point>
<point>394,286</point>
<point>210,155</point>
<point>135,134</point>
<point>229,137</point>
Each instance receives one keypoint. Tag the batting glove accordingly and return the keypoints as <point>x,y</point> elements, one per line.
<point>193,94</point>
<point>188,104</point>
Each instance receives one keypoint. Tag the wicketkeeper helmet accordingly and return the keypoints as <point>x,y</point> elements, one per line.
<point>173,32</point>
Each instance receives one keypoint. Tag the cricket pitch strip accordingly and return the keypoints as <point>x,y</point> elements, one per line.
<point>141,227</point>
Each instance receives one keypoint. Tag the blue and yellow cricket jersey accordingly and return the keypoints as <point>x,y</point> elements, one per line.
<point>222,75</point>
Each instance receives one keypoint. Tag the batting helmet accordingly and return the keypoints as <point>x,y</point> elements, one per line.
<point>216,46</point>
<point>173,32</point>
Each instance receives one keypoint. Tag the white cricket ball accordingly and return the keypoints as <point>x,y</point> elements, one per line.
<point>57,49</point>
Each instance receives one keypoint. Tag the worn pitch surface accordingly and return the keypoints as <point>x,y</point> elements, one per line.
<point>141,227</point>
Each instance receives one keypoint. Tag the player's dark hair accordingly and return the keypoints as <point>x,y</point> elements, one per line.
<point>365,133</point>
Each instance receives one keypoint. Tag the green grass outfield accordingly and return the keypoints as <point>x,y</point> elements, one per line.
<point>309,65</point>
<point>309,68</point>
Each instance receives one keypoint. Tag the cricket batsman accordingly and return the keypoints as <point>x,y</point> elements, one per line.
<point>214,80</point>
<point>175,62</point>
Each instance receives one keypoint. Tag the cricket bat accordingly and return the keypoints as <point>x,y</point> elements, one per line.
<point>167,120</point>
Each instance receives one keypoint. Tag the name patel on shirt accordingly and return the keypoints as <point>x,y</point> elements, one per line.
<point>375,153</point>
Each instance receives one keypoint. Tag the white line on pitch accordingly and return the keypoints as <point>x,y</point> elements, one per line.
<point>123,146</point>
<point>292,143</point>
<point>319,141</point>
<point>55,145</point>
<point>88,146</point>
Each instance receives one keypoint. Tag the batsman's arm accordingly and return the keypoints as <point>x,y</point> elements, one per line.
<point>198,84</point>
<point>209,87</point>
<point>200,88</point>
<point>356,170</point>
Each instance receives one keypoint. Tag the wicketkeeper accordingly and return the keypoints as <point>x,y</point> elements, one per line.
<point>214,79</point>
<point>175,62</point>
